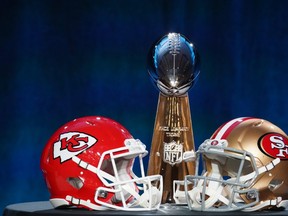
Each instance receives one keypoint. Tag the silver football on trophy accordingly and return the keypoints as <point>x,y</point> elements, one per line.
<point>173,64</point>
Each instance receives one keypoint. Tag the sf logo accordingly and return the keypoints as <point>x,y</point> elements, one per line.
<point>71,144</point>
<point>278,142</point>
<point>274,145</point>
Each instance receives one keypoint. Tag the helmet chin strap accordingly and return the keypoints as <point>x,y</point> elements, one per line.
<point>213,190</point>
<point>275,202</point>
<point>151,198</point>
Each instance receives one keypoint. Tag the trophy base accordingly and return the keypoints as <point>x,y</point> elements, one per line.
<point>167,197</point>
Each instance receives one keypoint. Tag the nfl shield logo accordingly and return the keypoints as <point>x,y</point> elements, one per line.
<point>173,153</point>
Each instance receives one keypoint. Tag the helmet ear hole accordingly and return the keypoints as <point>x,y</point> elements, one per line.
<point>275,184</point>
<point>75,182</point>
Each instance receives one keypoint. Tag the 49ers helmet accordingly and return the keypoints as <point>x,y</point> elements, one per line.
<point>90,163</point>
<point>245,168</point>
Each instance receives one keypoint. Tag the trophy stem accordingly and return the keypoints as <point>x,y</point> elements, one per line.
<point>173,135</point>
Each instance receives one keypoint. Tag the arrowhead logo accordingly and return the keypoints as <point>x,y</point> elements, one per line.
<point>71,144</point>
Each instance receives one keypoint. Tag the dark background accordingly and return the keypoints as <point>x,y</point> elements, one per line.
<point>64,59</point>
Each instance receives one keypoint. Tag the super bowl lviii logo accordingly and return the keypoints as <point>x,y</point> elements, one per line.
<point>274,145</point>
<point>172,153</point>
<point>71,144</point>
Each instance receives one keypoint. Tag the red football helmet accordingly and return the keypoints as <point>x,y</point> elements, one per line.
<point>89,163</point>
<point>245,163</point>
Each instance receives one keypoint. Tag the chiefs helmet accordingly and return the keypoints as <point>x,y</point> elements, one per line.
<point>244,168</point>
<point>90,163</point>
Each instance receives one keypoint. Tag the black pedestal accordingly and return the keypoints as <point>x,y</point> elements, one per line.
<point>45,208</point>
